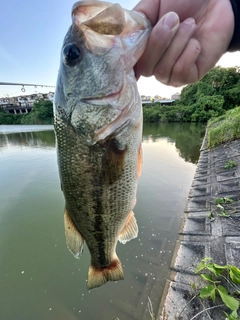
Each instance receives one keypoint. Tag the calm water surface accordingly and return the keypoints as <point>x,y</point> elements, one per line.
<point>39,278</point>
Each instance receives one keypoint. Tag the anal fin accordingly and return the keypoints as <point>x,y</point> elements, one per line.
<point>130,230</point>
<point>98,276</point>
<point>74,239</point>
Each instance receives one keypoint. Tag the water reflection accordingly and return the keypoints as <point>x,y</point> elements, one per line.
<point>39,278</point>
<point>41,139</point>
<point>186,136</point>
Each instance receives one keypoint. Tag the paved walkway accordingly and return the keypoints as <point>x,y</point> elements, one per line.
<point>200,237</point>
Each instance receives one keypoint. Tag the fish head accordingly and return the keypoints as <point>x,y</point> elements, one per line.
<point>96,86</point>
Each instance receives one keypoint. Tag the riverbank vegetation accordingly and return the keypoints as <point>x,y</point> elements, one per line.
<point>215,94</point>
<point>42,113</point>
<point>224,128</point>
<point>212,96</point>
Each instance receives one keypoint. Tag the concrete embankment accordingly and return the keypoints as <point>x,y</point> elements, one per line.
<point>204,233</point>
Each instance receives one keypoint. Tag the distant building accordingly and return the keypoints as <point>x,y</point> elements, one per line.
<point>148,100</point>
<point>176,96</point>
<point>50,96</point>
<point>23,104</point>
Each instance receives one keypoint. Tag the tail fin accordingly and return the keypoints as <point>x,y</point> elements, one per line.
<point>98,276</point>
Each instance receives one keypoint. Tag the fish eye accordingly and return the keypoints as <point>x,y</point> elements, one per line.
<point>71,54</point>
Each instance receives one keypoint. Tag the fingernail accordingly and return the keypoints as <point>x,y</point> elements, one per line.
<point>171,20</point>
<point>189,21</point>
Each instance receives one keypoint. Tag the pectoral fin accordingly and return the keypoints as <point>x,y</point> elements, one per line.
<point>74,239</point>
<point>130,230</point>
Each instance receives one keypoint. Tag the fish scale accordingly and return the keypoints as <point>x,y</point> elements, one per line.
<point>98,126</point>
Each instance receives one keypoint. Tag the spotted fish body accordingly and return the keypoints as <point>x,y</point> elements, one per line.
<point>98,125</point>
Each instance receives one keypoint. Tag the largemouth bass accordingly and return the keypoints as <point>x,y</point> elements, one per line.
<point>98,126</point>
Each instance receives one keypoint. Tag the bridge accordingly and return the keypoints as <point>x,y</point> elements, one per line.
<point>16,109</point>
<point>23,104</point>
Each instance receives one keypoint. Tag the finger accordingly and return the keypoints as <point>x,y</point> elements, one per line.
<point>163,68</point>
<point>186,70</point>
<point>150,9</point>
<point>158,41</point>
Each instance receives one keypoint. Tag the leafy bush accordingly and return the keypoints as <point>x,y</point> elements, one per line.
<point>212,96</point>
<point>216,276</point>
<point>42,113</point>
<point>7,118</point>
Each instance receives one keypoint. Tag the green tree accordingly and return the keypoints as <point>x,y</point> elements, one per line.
<point>42,113</point>
<point>232,96</point>
<point>225,81</point>
<point>207,107</point>
<point>222,78</point>
<point>7,118</point>
<point>188,95</point>
<point>204,88</point>
<point>152,114</point>
<point>216,92</point>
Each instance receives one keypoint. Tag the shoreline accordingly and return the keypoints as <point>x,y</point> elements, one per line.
<point>200,238</point>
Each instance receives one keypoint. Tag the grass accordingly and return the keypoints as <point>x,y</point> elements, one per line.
<point>224,128</point>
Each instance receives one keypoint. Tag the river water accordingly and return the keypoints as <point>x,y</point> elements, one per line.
<point>39,278</point>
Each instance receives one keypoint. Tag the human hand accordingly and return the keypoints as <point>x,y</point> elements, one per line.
<point>186,50</point>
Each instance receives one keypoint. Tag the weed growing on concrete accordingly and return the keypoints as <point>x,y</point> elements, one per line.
<point>223,200</point>
<point>221,280</point>
<point>222,208</point>
<point>211,216</point>
<point>230,164</point>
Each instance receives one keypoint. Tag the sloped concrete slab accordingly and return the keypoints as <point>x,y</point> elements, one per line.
<point>205,232</point>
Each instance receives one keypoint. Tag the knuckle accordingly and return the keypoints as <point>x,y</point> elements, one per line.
<point>176,84</point>
<point>146,73</point>
<point>182,76</point>
<point>144,70</point>
<point>178,69</point>
<point>162,74</point>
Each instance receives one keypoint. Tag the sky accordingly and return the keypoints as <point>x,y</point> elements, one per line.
<point>31,37</point>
